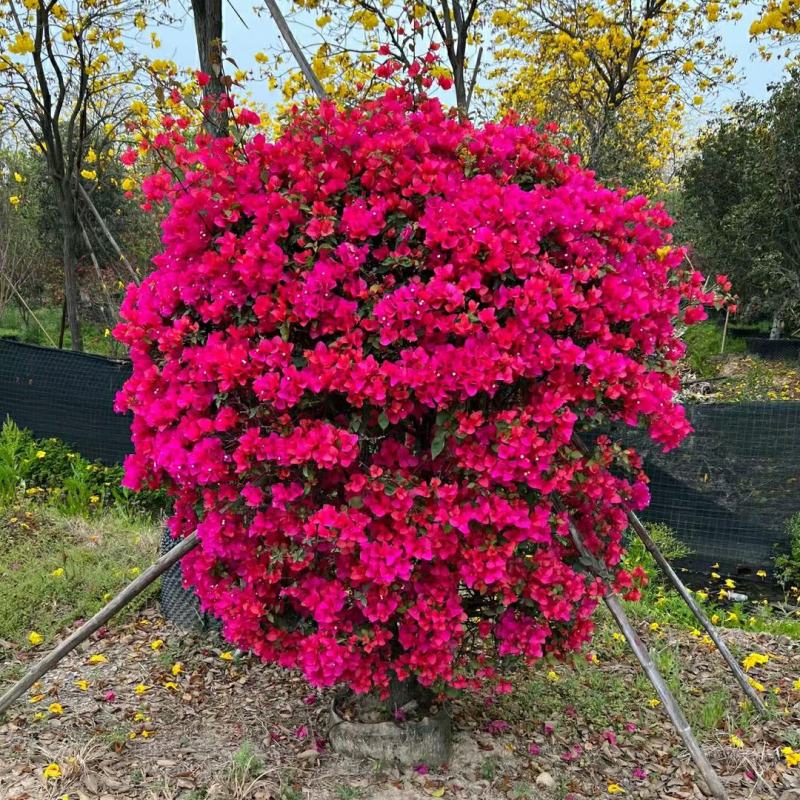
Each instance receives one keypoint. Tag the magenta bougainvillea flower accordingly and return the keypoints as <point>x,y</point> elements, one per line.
<point>359,365</point>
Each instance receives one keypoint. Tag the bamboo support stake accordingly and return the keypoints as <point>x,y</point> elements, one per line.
<point>698,612</point>
<point>687,598</point>
<point>22,300</point>
<point>299,56</point>
<point>134,588</point>
<point>671,706</point>
<point>108,235</point>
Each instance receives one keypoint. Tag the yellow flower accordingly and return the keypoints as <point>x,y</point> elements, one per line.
<point>52,771</point>
<point>134,571</point>
<point>654,626</point>
<point>89,174</point>
<point>94,499</point>
<point>617,636</point>
<point>156,643</point>
<point>553,676</point>
<point>171,685</point>
<point>14,200</point>
<point>701,595</point>
<point>796,685</point>
<point>695,633</point>
<point>55,708</point>
<point>715,618</point>
<point>754,659</point>
<point>41,453</point>
<point>35,638</point>
<point>762,573</point>
<point>38,716</point>
<point>759,687</point>
<point>57,573</point>
<point>716,576</point>
<point>138,716</point>
<point>23,43</point>
<point>97,658</point>
<point>792,757</point>
<point>91,156</point>
<point>18,178</point>
<point>615,788</point>
<point>36,698</point>
<point>226,656</point>
<point>177,668</point>
<point>128,184</point>
<point>729,584</point>
<point>736,741</point>
<point>82,684</point>
<point>654,702</point>
<point>141,688</point>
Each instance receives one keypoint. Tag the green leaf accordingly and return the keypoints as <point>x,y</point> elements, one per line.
<point>437,445</point>
<point>383,421</point>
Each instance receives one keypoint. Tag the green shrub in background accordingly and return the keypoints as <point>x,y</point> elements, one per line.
<point>787,561</point>
<point>51,472</point>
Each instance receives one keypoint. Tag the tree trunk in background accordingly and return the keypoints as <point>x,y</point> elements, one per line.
<point>777,326</point>
<point>208,30</point>
<point>70,242</point>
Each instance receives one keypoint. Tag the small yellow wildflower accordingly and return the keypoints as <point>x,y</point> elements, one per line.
<point>754,659</point>
<point>617,636</point>
<point>55,708</point>
<point>97,658</point>
<point>134,571</point>
<point>716,576</point>
<point>89,174</point>
<point>38,716</point>
<point>654,702</point>
<point>94,499</point>
<point>177,668</point>
<point>226,656</point>
<point>41,453</point>
<point>57,573</point>
<point>553,676</point>
<point>701,595</point>
<point>762,573</point>
<point>35,638</point>
<point>14,200</point>
<point>715,618</point>
<point>141,688</point>
<point>759,687</point>
<point>792,757</point>
<point>52,772</point>
<point>18,178</point>
<point>156,643</point>
<point>654,626</point>
<point>36,698</point>
<point>796,685</point>
<point>82,684</point>
<point>736,741</point>
<point>695,633</point>
<point>729,584</point>
<point>171,685</point>
<point>615,788</point>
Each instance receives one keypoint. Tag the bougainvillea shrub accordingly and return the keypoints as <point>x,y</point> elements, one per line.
<point>359,365</point>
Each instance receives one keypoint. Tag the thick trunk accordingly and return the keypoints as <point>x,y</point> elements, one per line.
<point>208,30</point>
<point>777,326</point>
<point>70,245</point>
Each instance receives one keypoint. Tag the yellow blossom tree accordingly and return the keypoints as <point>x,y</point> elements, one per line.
<point>618,75</point>
<point>66,80</point>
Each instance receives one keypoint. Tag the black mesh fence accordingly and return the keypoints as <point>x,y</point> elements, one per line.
<point>730,488</point>
<point>67,395</point>
<point>727,491</point>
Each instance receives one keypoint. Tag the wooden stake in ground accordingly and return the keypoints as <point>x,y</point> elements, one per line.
<point>671,706</point>
<point>134,588</point>
<point>687,598</point>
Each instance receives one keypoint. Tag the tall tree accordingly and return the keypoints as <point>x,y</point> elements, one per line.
<point>618,76</point>
<point>67,81</point>
<point>208,31</point>
<point>742,203</point>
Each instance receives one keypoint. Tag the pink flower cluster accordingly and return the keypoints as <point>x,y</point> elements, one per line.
<point>359,365</point>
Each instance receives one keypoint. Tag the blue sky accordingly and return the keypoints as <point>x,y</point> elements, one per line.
<point>257,33</point>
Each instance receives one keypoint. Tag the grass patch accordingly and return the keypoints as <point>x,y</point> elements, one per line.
<point>703,346</point>
<point>56,569</point>
<point>95,338</point>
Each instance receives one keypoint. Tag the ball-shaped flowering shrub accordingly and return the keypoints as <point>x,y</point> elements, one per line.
<point>359,366</point>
